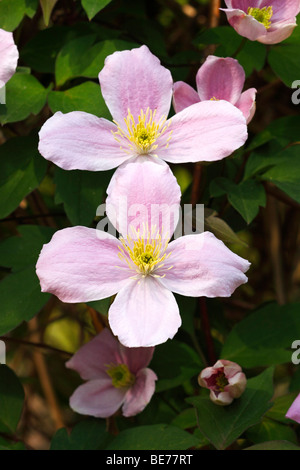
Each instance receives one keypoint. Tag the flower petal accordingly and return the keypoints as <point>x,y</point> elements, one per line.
<point>143,191</point>
<point>135,80</point>
<point>97,398</point>
<point>206,131</point>
<point>279,32</point>
<point>140,394</point>
<point>282,9</point>
<point>220,78</point>
<point>294,410</point>
<point>80,141</point>
<point>136,358</point>
<point>144,314</point>
<point>79,265</point>
<point>90,360</point>
<point>183,96</point>
<point>8,56</point>
<point>246,103</point>
<point>245,25</point>
<point>203,266</point>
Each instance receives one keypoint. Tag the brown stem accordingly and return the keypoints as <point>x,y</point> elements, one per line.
<point>205,323</point>
<point>214,13</point>
<point>274,235</point>
<point>36,345</point>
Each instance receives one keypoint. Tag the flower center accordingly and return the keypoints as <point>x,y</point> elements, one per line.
<point>145,252</point>
<point>221,382</point>
<point>214,99</point>
<point>140,137</point>
<point>263,15</point>
<point>120,375</point>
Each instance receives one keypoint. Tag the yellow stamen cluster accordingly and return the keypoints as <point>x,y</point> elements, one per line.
<point>140,137</point>
<point>145,252</point>
<point>214,99</point>
<point>263,15</point>
<point>120,375</point>
<point>221,382</point>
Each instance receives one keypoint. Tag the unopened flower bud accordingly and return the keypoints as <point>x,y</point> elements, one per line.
<point>225,380</point>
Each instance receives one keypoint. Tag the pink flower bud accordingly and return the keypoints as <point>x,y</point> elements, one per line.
<point>225,380</point>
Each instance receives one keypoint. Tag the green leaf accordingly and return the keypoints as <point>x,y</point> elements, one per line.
<point>21,298</point>
<point>88,435</point>
<point>47,8</point>
<point>153,437</point>
<point>13,11</point>
<point>252,56</point>
<point>92,7</point>
<point>11,399</point>
<point>264,337</point>
<point>222,425</point>
<point>274,445</point>
<point>186,419</point>
<point>85,97</point>
<point>172,373</point>
<point>24,96</point>
<point>20,251</point>
<point>245,197</point>
<point>82,58</point>
<point>284,59</point>
<point>280,408</point>
<point>286,173</point>
<point>21,170</point>
<point>269,430</point>
<point>81,193</point>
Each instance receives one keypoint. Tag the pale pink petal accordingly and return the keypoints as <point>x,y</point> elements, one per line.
<point>79,265</point>
<point>282,9</point>
<point>135,80</point>
<point>140,394</point>
<point>201,265</point>
<point>206,131</point>
<point>246,103</point>
<point>220,78</point>
<point>280,31</point>
<point>80,141</point>
<point>90,360</point>
<point>183,96</point>
<point>243,4</point>
<point>245,25</point>
<point>97,398</point>
<point>136,358</point>
<point>8,56</point>
<point>237,385</point>
<point>230,368</point>
<point>222,399</point>
<point>143,191</point>
<point>294,411</point>
<point>144,313</point>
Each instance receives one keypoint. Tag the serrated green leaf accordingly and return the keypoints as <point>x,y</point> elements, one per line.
<point>264,337</point>
<point>90,434</point>
<point>283,58</point>
<point>92,7</point>
<point>13,11</point>
<point>153,437</point>
<point>22,169</point>
<point>269,430</point>
<point>11,399</point>
<point>274,445</point>
<point>86,97</point>
<point>24,96</point>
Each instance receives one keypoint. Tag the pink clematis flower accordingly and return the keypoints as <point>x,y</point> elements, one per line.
<point>217,79</point>
<point>294,410</point>
<point>8,56</point>
<point>225,380</point>
<point>143,268</point>
<point>138,91</point>
<point>116,376</point>
<point>266,21</point>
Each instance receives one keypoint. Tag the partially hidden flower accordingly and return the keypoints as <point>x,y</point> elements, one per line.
<point>116,377</point>
<point>217,79</point>
<point>138,92</point>
<point>142,267</point>
<point>225,380</point>
<point>294,410</point>
<point>266,21</point>
<point>9,56</point>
